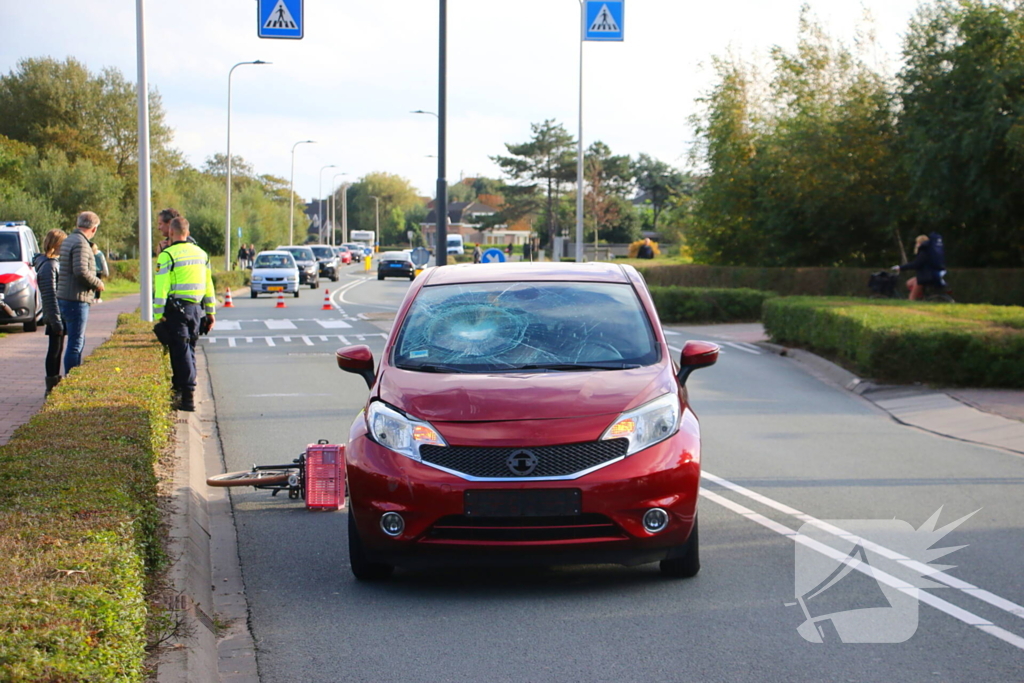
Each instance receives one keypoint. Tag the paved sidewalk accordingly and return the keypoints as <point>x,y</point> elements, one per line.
<point>994,417</point>
<point>22,358</point>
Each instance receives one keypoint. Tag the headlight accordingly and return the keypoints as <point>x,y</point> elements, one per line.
<point>257,278</point>
<point>292,278</point>
<point>310,268</point>
<point>18,285</point>
<point>648,424</point>
<point>399,433</point>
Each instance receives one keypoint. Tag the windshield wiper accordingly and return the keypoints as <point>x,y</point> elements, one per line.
<point>610,365</point>
<point>432,367</point>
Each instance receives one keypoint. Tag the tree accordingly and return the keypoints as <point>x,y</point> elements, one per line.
<point>658,182</point>
<point>609,178</point>
<point>547,161</point>
<point>962,128</point>
<point>397,196</point>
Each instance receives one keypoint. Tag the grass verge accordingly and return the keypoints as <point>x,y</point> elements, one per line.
<point>903,342</point>
<point>708,305</point>
<point>79,518</point>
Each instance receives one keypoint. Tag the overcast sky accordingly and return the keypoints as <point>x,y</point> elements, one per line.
<point>362,66</point>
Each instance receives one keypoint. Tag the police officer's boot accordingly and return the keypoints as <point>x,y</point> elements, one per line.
<point>187,403</point>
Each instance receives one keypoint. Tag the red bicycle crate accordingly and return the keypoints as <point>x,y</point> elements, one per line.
<point>325,478</point>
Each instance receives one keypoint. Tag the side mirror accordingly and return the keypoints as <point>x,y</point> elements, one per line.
<point>357,359</point>
<point>696,355</point>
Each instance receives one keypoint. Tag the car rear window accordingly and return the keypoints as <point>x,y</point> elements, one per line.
<point>323,252</point>
<point>513,326</point>
<point>10,246</point>
<point>303,254</point>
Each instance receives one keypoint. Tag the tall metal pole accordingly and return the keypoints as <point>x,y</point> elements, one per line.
<point>441,203</point>
<point>376,228</point>
<point>579,152</point>
<point>344,213</point>
<point>320,195</point>
<point>291,193</point>
<point>227,217</point>
<point>145,210</point>
<point>334,206</point>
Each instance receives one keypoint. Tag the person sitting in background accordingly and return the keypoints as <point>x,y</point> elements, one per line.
<point>645,250</point>
<point>929,263</point>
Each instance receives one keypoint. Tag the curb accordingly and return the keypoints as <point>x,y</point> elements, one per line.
<point>927,409</point>
<point>215,642</point>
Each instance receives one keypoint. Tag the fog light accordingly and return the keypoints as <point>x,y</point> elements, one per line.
<point>655,520</point>
<point>392,523</point>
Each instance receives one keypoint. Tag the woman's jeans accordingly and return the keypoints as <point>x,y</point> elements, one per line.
<point>75,315</point>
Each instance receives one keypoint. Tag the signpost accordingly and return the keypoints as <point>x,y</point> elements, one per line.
<point>420,256</point>
<point>493,255</point>
<point>280,19</point>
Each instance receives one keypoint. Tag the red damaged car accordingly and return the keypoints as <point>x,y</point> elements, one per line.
<point>525,413</point>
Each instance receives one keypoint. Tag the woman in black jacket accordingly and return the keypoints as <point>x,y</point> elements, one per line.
<point>47,271</point>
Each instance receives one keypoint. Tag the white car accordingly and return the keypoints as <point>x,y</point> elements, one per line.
<point>273,272</point>
<point>19,291</point>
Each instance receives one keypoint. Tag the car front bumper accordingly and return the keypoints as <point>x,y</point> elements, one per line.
<point>265,287</point>
<point>608,528</point>
<point>21,303</point>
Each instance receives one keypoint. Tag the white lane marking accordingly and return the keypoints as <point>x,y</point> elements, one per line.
<point>938,603</point>
<point>270,341</point>
<point>333,324</point>
<point>231,342</point>
<point>672,333</point>
<point>212,340</point>
<point>229,325</point>
<point>281,395</point>
<point>750,346</point>
<point>307,341</point>
<point>343,340</point>
<point>951,581</point>
<point>323,337</point>
<point>279,324</point>
<point>742,348</point>
<point>287,339</point>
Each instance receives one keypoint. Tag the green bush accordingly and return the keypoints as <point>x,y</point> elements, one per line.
<point>902,341</point>
<point>702,304</point>
<point>79,518</point>
<point>124,270</point>
<point>229,280</point>
<point>1002,286</point>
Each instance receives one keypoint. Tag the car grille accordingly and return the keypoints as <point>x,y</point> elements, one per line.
<point>3,288</point>
<point>552,461</point>
<point>587,527</point>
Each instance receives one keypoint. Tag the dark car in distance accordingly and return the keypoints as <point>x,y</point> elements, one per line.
<point>395,264</point>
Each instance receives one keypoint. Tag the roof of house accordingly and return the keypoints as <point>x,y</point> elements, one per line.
<point>459,212</point>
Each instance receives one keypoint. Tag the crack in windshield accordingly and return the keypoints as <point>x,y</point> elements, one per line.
<point>501,327</point>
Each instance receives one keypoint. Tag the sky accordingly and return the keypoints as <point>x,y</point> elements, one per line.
<point>351,82</point>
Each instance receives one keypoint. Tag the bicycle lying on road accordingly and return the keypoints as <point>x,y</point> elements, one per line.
<point>273,478</point>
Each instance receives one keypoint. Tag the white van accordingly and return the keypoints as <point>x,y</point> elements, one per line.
<point>455,244</point>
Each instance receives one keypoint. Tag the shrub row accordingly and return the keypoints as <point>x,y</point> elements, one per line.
<point>1002,286</point>
<point>79,518</point>
<point>705,305</point>
<point>903,342</point>
<point>129,270</point>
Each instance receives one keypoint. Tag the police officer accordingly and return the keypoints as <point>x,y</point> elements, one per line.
<point>182,293</point>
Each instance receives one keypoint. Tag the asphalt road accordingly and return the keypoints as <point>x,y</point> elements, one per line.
<point>781,448</point>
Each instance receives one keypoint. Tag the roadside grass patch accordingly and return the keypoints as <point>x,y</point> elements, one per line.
<point>708,305</point>
<point>79,520</point>
<point>903,341</point>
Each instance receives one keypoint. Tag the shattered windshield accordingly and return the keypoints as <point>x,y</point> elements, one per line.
<point>503,326</point>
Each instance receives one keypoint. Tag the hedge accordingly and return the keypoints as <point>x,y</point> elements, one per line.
<point>1002,286</point>
<point>903,342</point>
<point>702,304</point>
<point>79,518</point>
<point>129,270</point>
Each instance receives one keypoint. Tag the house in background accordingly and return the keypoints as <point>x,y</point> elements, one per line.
<point>464,219</point>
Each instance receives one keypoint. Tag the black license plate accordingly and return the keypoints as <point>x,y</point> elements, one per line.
<point>522,503</point>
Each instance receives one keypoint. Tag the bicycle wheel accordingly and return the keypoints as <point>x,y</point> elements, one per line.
<point>251,478</point>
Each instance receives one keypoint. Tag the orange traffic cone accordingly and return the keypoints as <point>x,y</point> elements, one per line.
<point>227,299</point>
<point>327,302</point>
<point>280,300</point>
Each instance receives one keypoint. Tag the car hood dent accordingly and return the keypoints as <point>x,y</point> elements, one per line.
<point>467,397</point>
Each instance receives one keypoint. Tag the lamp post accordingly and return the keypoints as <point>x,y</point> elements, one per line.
<point>291,192</point>
<point>145,211</point>
<point>320,195</point>
<point>579,153</point>
<point>376,224</point>
<point>227,218</point>
<point>334,207</point>
<point>441,200</point>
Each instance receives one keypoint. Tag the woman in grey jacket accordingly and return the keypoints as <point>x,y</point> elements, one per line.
<point>47,273</point>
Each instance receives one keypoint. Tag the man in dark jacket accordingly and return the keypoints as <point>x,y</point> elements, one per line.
<point>78,286</point>
<point>929,263</point>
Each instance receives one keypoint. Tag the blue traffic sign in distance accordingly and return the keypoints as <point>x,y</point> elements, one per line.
<point>420,256</point>
<point>603,20</point>
<point>280,19</point>
<point>493,256</point>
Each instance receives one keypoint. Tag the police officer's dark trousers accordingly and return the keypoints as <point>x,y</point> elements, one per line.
<point>183,329</point>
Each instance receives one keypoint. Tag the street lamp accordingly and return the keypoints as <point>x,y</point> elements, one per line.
<point>334,208</point>
<point>579,153</point>
<point>227,219</point>
<point>320,195</point>
<point>291,192</point>
<point>441,201</point>
<point>376,224</point>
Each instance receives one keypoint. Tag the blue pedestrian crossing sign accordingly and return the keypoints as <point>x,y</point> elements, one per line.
<point>280,19</point>
<point>493,256</point>
<point>603,20</point>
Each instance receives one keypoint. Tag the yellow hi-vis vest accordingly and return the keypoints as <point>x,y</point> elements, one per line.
<point>183,272</point>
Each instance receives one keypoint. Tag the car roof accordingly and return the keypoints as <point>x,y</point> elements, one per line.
<point>399,254</point>
<point>275,252</point>
<point>520,271</point>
